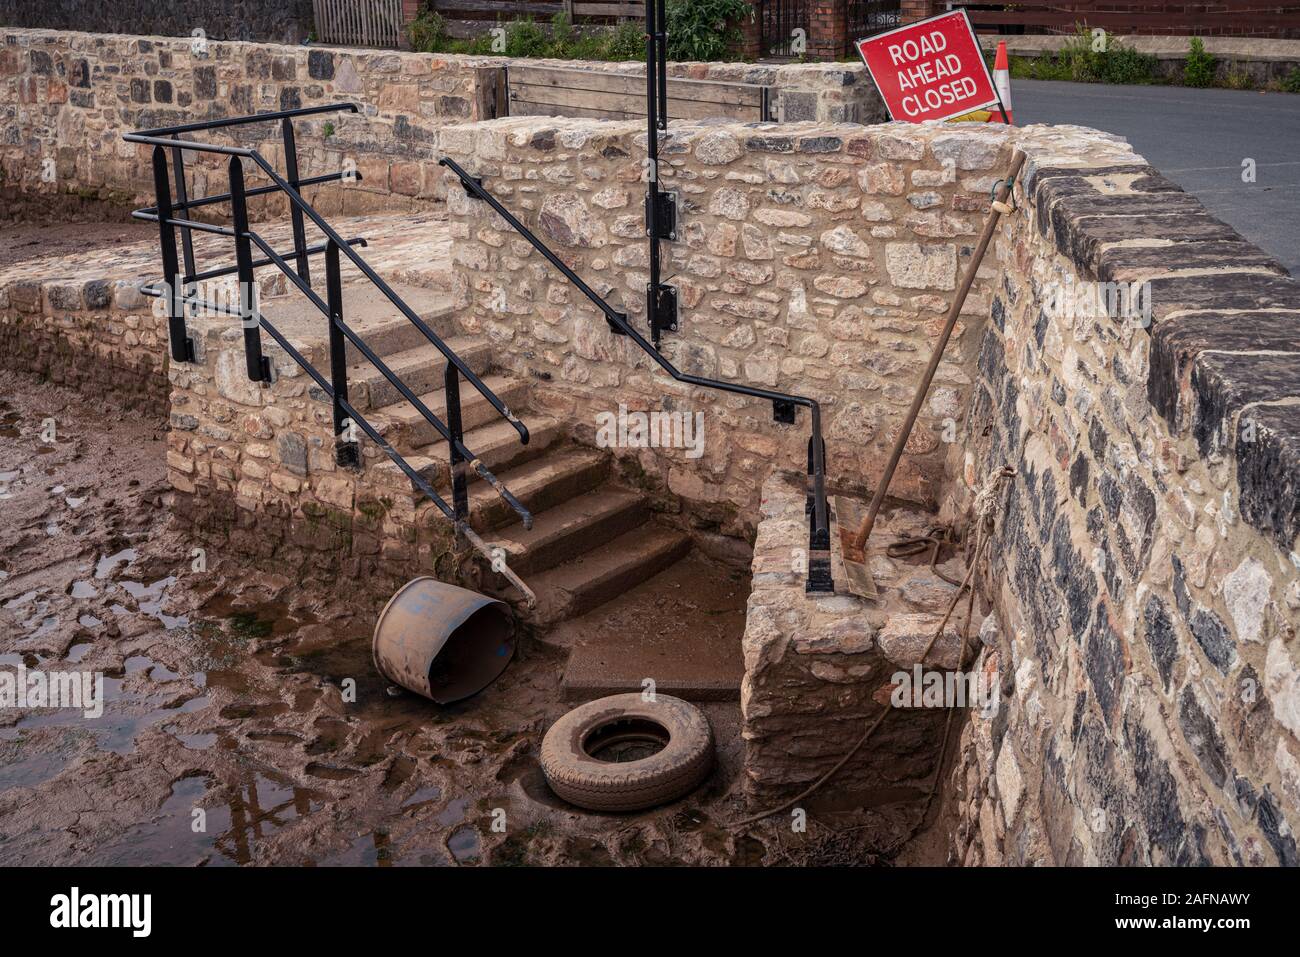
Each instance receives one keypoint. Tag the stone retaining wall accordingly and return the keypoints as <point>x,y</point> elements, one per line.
<point>97,336</point>
<point>66,98</point>
<point>256,472</point>
<point>814,259</point>
<point>69,97</point>
<point>1144,567</point>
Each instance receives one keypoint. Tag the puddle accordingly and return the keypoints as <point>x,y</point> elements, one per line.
<point>83,589</point>
<point>104,567</point>
<point>465,844</point>
<point>423,796</point>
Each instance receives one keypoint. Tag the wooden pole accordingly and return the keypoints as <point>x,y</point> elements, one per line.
<point>923,387</point>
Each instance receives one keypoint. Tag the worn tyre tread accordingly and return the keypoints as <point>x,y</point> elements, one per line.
<point>600,786</point>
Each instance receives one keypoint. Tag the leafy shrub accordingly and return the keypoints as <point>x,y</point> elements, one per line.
<point>562,30</point>
<point>1123,64</point>
<point>1291,82</point>
<point>625,42</point>
<point>427,32</point>
<point>525,38</point>
<point>1199,68</point>
<point>704,29</point>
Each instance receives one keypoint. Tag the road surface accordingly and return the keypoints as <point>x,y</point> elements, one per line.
<point>1199,139</point>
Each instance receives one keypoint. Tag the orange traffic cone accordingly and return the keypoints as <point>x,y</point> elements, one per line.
<point>1002,80</point>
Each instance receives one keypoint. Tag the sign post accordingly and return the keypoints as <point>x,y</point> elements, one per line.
<point>930,70</point>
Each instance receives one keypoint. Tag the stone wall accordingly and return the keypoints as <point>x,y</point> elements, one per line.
<point>256,474</point>
<point>97,336</point>
<point>1144,567</point>
<point>280,21</point>
<point>66,98</point>
<point>814,259</point>
<point>69,97</point>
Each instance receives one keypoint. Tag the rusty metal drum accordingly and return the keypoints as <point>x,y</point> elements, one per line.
<point>441,641</point>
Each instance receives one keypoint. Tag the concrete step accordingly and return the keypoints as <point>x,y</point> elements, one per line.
<point>410,431</point>
<point>540,485</point>
<point>681,629</point>
<point>598,576</point>
<point>422,369</point>
<point>572,528</point>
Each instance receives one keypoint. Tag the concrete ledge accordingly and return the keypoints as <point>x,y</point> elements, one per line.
<point>1166,48</point>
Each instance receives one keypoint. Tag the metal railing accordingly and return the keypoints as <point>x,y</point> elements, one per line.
<point>180,290</point>
<point>783,404</point>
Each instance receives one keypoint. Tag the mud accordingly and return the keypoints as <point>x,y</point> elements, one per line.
<point>244,721</point>
<point>36,240</point>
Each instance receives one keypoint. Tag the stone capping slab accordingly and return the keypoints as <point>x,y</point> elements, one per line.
<point>1224,320</point>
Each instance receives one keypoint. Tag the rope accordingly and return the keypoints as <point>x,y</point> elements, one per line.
<point>985,508</point>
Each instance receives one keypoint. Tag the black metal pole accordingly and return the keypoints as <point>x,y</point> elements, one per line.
<point>180,345</point>
<point>346,451</point>
<point>459,491</point>
<point>662,64</point>
<point>295,214</point>
<point>259,368</point>
<point>652,162</point>
<point>183,199</point>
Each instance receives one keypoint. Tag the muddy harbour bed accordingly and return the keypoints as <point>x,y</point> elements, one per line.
<point>244,721</point>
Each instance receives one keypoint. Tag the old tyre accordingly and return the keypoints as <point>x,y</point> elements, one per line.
<point>623,753</point>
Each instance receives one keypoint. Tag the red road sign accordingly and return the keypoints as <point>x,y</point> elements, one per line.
<point>930,70</point>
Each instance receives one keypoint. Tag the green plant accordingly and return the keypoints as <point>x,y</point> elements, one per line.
<point>1199,68</point>
<point>1239,80</point>
<point>1123,64</point>
<point>1291,82</point>
<point>625,42</point>
<point>704,29</point>
<point>329,128</point>
<point>427,32</point>
<point>525,38</point>
<point>563,33</point>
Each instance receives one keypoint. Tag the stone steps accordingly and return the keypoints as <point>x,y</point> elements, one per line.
<point>422,369</point>
<point>408,430</point>
<point>597,576</point>
<point>567,531</point>
<point>385,330</point>
<point>541,484</point>
<point>496,444</point>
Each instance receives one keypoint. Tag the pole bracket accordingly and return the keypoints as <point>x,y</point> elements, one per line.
<point>665,218</point>
<point>663,308</point>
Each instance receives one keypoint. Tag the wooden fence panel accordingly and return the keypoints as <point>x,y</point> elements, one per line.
<point>1136,15</point>
<point>557,91</point>
<point>360,23</point>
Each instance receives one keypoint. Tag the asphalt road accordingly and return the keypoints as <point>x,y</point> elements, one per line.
<point>1199,139</point>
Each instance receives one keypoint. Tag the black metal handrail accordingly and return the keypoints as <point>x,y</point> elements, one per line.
<point>181,291</point>
<point>819,568</point>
